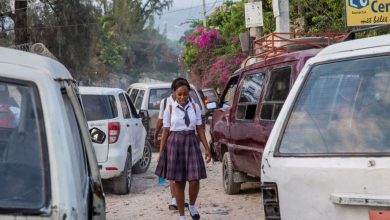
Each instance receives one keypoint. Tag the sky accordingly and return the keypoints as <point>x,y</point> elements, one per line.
<point>182,12</point>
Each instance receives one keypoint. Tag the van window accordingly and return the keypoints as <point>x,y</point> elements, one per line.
<point>277,92</point>
<point>24,163</point>
<point>344,107</point>
<point>249,96</point>
<point>139,99</point>
<point>156,95</point>
<point>97,107</point>
<point>228,95</point>
<point>133,94</point>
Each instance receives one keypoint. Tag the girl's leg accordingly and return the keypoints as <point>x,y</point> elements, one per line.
<point>179,195</point>
<point>193,191</point>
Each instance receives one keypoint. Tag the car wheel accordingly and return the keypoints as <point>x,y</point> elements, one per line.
<point>229,185</point>
<point>143,164</point>
<point>122,184</point>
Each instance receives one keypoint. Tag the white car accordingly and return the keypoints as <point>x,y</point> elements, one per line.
<point>328,155</point>
<point>118,135</point>
<point>47,163</point>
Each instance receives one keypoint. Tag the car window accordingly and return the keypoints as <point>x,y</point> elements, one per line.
<point>77,148</point>
<point>98,107</point>
<point>23,148</point>
<point>211,95</point>
<point>228,95</point>
<point>124,106</point>
<point>344,107</point>
<point>156,95</point>
<point>114,108</point>
<point>249,96</point>
<point>195,97</point>
<point>277,92</point>
<point>132,108</point>
<point>133,94</point>
<point>139,99</point>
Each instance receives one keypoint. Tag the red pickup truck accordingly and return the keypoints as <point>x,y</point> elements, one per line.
<point>248,108</point>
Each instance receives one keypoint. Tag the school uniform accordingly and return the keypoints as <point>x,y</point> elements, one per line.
<point>182,158</point>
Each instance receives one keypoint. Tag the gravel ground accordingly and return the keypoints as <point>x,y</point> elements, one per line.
<point>149,200</point>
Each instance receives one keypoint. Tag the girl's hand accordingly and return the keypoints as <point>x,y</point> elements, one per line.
<point>158,157</point>
<point>207,156</point>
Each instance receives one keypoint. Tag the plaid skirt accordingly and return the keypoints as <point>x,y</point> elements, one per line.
<point>182,158</point>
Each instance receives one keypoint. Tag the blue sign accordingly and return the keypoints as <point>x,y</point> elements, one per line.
<point>358,3</point>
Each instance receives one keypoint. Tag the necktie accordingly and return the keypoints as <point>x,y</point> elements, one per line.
<point>186,118</point>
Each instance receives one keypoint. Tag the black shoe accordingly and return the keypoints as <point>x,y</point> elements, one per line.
<point>195,216</point>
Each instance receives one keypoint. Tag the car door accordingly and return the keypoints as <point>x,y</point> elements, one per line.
<point>221,118</point>
<point>245,132</point>
<point>140,129</point>
<point>132,127</point>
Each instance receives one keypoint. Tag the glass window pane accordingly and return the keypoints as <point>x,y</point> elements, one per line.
<point>249,95</point>
<point>155,97</point>
<point>139,99</point>
<point>344,108</point>
<point>279,84</point>
<point>133,94</point>
<point>96,107</point>
<point>125,108</point>
<point>23,164</point>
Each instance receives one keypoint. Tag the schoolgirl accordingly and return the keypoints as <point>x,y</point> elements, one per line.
<point>182,159</point>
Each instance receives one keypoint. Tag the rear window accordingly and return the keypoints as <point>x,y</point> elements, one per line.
<point>25,178</point>
<point>99,107</point>
<point>344,107</point>
<point>156,95</point>
<point>211,95</point>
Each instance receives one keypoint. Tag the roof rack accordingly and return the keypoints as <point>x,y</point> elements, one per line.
<point>276,44</point>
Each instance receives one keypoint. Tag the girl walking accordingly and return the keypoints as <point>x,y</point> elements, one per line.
<point>182,159</point>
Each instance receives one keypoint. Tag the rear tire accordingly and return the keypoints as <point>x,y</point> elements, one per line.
<point>143,164</point>
<point>229,185</point>
<point>122,184</point>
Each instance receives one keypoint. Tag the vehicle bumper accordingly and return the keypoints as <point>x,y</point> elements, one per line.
<point>116,159</point>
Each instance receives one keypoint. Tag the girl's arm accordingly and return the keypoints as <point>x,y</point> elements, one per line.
<point>202,137</point>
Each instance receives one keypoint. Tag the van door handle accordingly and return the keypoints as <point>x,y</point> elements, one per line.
<point>136,124</point>
<point>127,125</point>
<point>227,119</point>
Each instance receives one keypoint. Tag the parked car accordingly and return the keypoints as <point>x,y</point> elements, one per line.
<point>111,113</point>
<point>248,108</point>
<point>328,156</point>
<point>147,96</point>
<point>47,163</point>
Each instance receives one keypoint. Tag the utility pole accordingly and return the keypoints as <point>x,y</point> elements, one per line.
<point>20,20</point>
<point>281,13</point>
<point>204,14</point>
<point>255,31</point>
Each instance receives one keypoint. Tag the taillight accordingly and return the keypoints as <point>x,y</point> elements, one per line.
<point>113,132</point>
<point>271,201</point>
<point>206,100</point>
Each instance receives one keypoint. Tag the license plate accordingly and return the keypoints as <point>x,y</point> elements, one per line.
<point>379,214</point>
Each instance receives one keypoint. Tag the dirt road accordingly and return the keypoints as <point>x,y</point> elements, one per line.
<point>148,200</point>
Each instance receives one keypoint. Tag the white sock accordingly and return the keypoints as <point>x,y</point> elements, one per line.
<point>182,217</point>
<point>193,209</point>
<point>173,201</point>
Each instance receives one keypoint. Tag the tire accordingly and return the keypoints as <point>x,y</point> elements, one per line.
<point>143,164</point>
<point>122,184</point>
<point>229,185</point>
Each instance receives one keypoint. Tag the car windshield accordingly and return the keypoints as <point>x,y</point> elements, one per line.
<point>344,107</point>
<point>156,95</point>
<point>23,168</point>
<point>98,107</point>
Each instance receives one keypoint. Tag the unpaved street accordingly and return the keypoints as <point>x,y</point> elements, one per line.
<point>148,200</point>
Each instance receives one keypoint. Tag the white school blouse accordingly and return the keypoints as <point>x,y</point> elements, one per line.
<point>169,102</point>
<point>175,120</point>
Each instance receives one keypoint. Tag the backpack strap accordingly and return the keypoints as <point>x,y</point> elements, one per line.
<point>165,103</point>
<point>193,106</point>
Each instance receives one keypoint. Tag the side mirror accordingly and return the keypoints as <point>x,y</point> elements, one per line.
<point>97,135</point>
<point>211,105</point>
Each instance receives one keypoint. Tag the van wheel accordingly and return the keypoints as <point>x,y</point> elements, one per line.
<point>121,185</point>
<point>229,185</point>
<point>143,164</point>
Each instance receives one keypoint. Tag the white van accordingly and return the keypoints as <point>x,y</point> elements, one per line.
<point>121,147</point>
<point>328,155</point>
<point>47,163</point>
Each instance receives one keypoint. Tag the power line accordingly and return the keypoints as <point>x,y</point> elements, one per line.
<point>196,6</point>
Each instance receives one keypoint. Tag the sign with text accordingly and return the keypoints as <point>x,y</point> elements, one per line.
<point>254,14</point>
<point>367,12</point>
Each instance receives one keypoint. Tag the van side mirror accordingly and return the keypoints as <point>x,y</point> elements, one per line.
<point>211,105</point>
<point>143,114</point>
<point>97,135</point>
